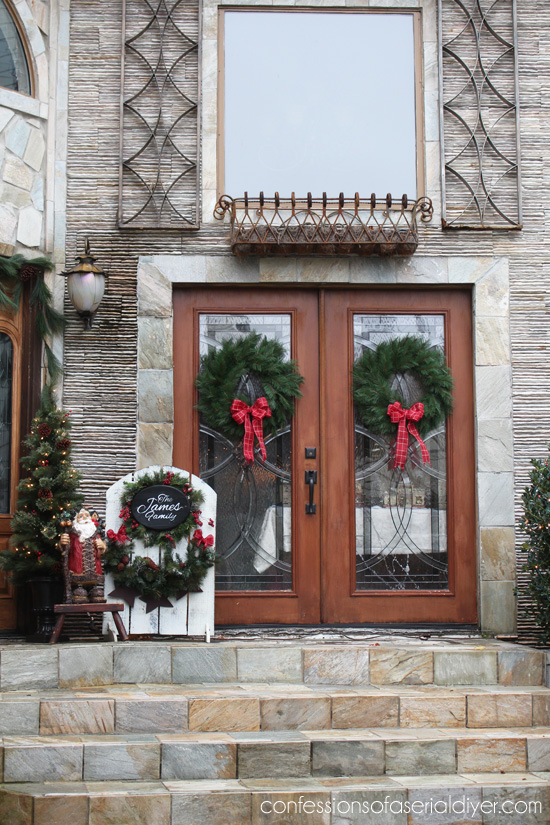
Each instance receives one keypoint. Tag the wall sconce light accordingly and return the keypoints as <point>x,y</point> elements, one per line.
<point>85,285</point>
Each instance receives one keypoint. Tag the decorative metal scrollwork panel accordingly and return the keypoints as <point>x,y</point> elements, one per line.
<point>254,510</point>
<point>400,515</point>
<point>159,115</point>
<point>480,123</point>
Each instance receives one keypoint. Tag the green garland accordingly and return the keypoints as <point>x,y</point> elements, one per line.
<point>175,576</point>
<point>14,272</point>
<point>374,371</point>
<point>262,360</point>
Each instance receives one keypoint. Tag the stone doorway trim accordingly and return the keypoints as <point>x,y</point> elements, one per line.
<point>489,279</point>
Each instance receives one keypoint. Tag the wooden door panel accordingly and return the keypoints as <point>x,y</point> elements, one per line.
<point>324,584</point>
<point>342,601</point>
<point>7,600</point>
<point>11,326</point>
<point>301,604</point>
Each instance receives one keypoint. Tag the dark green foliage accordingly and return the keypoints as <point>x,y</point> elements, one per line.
<point>174,575</point>
<point>48,487</point>
<point>261,359</point>
<point>536,524</point>
<point>48,320</point>
<point>374,371</point>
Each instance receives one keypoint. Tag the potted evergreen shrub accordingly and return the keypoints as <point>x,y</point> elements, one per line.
<point>47,490</point>
<point>536,524</point>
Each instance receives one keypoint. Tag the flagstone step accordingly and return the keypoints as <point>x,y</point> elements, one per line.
<point>377,751</point>
<point>463,799</point>
<point>437,661</point>
<point>247,707</point>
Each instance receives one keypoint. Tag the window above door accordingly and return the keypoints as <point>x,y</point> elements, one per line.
<point>320,101</point>
<point>320,131</point>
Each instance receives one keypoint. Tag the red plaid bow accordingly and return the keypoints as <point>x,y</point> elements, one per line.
<point>400,416</point>
<point>242,414</point>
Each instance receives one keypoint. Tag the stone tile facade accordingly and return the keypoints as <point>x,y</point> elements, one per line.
<point>71,125</point>
<point>33,140</point>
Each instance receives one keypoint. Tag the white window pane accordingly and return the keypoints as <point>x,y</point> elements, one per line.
<point>319,102</point>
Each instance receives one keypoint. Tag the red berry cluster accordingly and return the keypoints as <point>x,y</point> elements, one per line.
<point>168,478</point>
<point>197,517</point>
<point>124,513</point>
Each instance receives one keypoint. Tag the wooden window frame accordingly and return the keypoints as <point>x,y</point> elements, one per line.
<point>26,49</point>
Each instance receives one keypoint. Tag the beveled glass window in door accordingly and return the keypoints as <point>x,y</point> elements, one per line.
<point>400,515</point>
<point>254,501</point>
<point>6,382</point>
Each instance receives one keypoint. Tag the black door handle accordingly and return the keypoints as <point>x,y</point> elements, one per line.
<point>311,480</point>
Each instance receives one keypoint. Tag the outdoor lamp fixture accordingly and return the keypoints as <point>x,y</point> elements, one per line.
<point>85,285</point>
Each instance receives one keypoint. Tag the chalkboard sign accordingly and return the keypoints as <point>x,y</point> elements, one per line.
<point>160,507</point>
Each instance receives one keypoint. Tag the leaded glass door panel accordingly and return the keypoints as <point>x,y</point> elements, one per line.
<point>400,513</point>
<point>254,499</point>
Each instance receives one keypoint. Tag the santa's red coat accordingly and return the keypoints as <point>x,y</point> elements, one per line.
<point>76,557</point>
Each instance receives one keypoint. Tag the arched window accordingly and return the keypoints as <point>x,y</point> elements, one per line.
<point>14,69</point>
<point>6,406</point>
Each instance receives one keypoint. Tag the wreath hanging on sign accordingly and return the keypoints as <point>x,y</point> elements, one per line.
<point>175,576</point>
<point>248,383</point>
<point>380,407</point>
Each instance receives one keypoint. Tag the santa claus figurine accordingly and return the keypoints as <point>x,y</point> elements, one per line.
<point>82,549</point>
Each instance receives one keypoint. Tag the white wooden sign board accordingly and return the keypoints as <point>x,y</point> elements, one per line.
<point>193,614</point>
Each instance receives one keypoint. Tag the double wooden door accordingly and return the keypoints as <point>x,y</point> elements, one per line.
<point>382,545</point>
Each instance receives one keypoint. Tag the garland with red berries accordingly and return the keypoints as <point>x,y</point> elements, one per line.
<point>175,576</point>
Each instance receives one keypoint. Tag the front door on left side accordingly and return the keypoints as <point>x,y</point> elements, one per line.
<point>10,402</point>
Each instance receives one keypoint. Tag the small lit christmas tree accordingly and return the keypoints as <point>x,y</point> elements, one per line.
<point>536,524</point>
<point>48,488</point>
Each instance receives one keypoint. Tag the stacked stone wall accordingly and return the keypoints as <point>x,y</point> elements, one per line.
<point>100,383</point>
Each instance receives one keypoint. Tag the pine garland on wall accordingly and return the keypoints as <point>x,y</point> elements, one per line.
<point>14,273</point>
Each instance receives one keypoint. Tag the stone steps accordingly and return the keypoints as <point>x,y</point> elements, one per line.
<point>284,754</point>
<point>439,662</point>
<point>467,799</point>
<point>247,707</point>
<point>195,734</point>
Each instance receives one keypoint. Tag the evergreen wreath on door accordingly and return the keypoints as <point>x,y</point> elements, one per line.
<point>248,383</point>
<point>380,406</point>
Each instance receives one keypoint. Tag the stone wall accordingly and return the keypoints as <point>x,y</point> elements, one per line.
<point>23,136</point>
<point>507,270</point>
